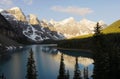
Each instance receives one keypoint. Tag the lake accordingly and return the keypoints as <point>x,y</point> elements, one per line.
<point>47,61</point>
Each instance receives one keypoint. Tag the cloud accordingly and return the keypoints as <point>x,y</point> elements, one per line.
<point>29,2</point>
<point>6,3</point>
<point>72,10</point>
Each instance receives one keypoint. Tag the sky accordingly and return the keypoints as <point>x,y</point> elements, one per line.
<point>94,10</point>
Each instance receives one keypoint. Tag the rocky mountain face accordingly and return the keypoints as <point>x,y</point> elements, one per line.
<point>45,32</point>
<point>33,20</point>
<point>29,27</point>
<point>17,26</point>
<point>35,30</point>
<point>6,28</point>
<point>17,12</point>
<point>71,28</point>
<point>7,36</point>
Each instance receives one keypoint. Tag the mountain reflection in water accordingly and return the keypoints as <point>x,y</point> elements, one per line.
<point>84,60</point>
<point>47,60</point>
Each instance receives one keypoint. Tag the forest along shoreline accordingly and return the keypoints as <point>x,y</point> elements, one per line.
<point>73,49</point>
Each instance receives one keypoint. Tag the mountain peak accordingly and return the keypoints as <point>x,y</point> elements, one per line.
<point>52,21</point>
<point>1,10</point>
<point>32,16</point>
<point>15,8</point>
<point>86,21</point>
<point>33,19</point>
<point>17,12</point>
<point>71,19</point>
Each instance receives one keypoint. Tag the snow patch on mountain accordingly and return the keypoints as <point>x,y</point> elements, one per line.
<point>69,20</point>
<point>33,19</point>
<point>29,26</point>
<point>15,8</point>
<point>87,23</point>
<point>8,16</point>
<point>37,30</point>
<point>1,10</point>
<point>71,28</point>
<point>27,29</point>
<point>18,13</point>
<point>30,32</point>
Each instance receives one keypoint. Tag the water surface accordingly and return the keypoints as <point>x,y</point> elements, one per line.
<point>47,60</point>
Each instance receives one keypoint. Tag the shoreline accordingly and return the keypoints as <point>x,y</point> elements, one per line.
<point>73,49</point>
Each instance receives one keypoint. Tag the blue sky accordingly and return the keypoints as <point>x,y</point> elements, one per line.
<point>95,10</point>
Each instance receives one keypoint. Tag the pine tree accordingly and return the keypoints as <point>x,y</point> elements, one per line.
<point>77,73</point>
<point>98,36</point>
<point>97,29</point>
<point>86,73</point>
<point>62,71</point>
<point>68,75</point>
<point>31,68</point>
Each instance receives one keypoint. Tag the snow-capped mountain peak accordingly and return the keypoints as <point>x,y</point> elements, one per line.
<point>33,19</point>
<point>87,23</point>
<point>30,29</point>
<point>52,21</point>
<point>44,20</point>
<point>1,10</point>
<point>84,21</point>
<point>32,16</point>
<point>18,13</point>
<point>15,8</point>
<point>68,20</point>
<point>70,27</point>
<point>42,30</point>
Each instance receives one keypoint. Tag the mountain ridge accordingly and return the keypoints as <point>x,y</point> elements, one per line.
<point>69,27</point>
<point>66,28</point>
<point>30,26</point>
<point>18,13</point>
<point>113,28</point>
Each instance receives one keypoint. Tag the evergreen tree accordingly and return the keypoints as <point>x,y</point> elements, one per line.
<point>62,71</point>
<point>86,73</point>
<point>97,29</point>
<point>31,68</point>
<point>77,73</point>
<point>68,75</point>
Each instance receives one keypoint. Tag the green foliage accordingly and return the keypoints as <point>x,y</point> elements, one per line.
<point>106,57</point>
<point>84,43</point>
<point>82,36</point>
<point>97,29</point>
<point>106,51</point>
<point>31,68</point>
<point>113,28</point>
